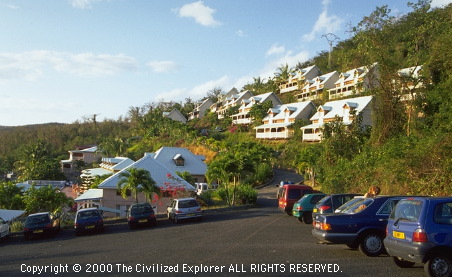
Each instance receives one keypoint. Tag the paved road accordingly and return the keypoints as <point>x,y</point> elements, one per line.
<point>259,241</point>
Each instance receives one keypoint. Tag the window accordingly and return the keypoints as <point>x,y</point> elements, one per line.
<point>179,160</point>
<point>443,213</point>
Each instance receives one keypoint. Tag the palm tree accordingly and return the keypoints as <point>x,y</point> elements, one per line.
<point>283,73</point>
<point>135,180</point>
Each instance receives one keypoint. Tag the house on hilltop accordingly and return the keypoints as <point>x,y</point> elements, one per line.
<point>200,109</point>
<point>175,115</point>
<point>314,88</point>
<point>354,82</point>
<point>297,79</point>
<point>278,122</point>
<point>345,110</point>
<point>243,117</point>
<point>87,154</point>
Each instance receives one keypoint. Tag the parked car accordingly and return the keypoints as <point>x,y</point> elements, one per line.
<point>4,229</point>
<point>302,209</point>
<point>41,224</point>
<point>419,230</point>
<point>184,208</point>
<point>361,225</point>
<point>348,203</point>
<point>331,202</point>
<point>289,194</point>
<point>141,214</point>
<point>88,220</point>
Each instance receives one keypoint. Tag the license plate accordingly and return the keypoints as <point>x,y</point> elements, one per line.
<point>38,231</point>
<point>398,235</point>
<point>315,210</point>
<point>190,214</point>
<point>90,227</point>
<point>142,220</point>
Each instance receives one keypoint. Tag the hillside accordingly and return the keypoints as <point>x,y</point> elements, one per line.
<point>406,152</point>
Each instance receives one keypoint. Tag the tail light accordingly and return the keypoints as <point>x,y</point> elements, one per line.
<point>49,225</point>
<point>152,215</point>
<point>131,218</point>
<point>178,212</point>
<point>324,208</point>
<point>198,210</point>
<point>300,208</point>
<point>282,203</point>
<point>26,229</point>
<point>100,221</point>
<point>419,235</point>
<point>321,226</point>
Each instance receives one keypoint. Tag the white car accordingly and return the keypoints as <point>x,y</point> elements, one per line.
<point>184,208</point>
<point>4,228</point>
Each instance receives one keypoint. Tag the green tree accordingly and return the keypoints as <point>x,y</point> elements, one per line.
<point>135,180</point>
<point>46,198</point>
<point>11,196</point>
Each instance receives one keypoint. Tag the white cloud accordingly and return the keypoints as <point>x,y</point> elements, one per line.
<point>275,49</point>
<point>290,58</point>
<point>240,33</point>
<point>325,23</point>
<point>439,3</point>
<point>83,4</point>
<point>10,6</point>
<point>198,11</point>
<point>32,64</point>
<point>163,66</point>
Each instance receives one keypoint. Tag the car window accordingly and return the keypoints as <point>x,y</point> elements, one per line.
<point>316,198</point>
<point>443,213</point>
<point>388,207</point>
<point>407,210</point>
<point>358,206</point>
<point>294,194</point>
<point>188,204</point>
<point>38,219</point>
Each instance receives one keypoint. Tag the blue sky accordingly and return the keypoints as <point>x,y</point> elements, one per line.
<point>64,60</point>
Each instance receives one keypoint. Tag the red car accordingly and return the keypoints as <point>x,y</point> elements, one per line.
<point>289,194</point>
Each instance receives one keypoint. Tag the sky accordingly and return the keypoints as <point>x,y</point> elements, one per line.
<point>66,60</point>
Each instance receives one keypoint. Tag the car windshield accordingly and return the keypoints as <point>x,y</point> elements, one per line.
<point>38,219</point>
<point>358,206</point>
<point>407,210</point>
<point>188,203</point>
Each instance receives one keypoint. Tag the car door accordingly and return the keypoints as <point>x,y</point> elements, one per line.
<point>4,228</point>
<point>171,208</point>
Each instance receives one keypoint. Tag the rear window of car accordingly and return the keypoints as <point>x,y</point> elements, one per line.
<point>141,209</point>
<point>188,204</point>
<point>87,214</point>
<point>37,219</point>
<point>358,206</point>
<point>407,210</point>
<point>316,198</point>
<point>443,213</point>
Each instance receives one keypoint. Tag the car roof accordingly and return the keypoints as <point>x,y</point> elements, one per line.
<point>297,186</point>
<point>36,214</point>
<point>187,198</point>
<point>87,209</point>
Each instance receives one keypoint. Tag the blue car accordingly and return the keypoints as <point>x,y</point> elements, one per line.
<point>420,231</point>
<point>361,225</point>
<point>88,220</point>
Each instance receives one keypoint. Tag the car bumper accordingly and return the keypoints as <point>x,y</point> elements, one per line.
<point>189,215</point>
<point>89,227</point>
<point>143,221</point>
<point>335,238</point>
<point>414,252</point>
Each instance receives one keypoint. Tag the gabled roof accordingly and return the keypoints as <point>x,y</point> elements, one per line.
<point>336,108</point>
<point>159,174</point>
<point>192,163</point>
<point>86,150</point>
<point>296,108</point>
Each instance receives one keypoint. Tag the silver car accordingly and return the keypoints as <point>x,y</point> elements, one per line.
<point>184,208</point>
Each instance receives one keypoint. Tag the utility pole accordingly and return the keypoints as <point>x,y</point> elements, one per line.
<point>330,37</point>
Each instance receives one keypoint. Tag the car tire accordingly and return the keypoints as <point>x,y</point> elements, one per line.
<point>439,265</point>
<point>307,218</point>
<point>402,263</point>
<point>371,245</point>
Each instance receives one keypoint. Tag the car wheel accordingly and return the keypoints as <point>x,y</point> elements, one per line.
<point>438,265</point>
<point>403,263</point>
<point>371,245</point>
<point>307,218</point>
